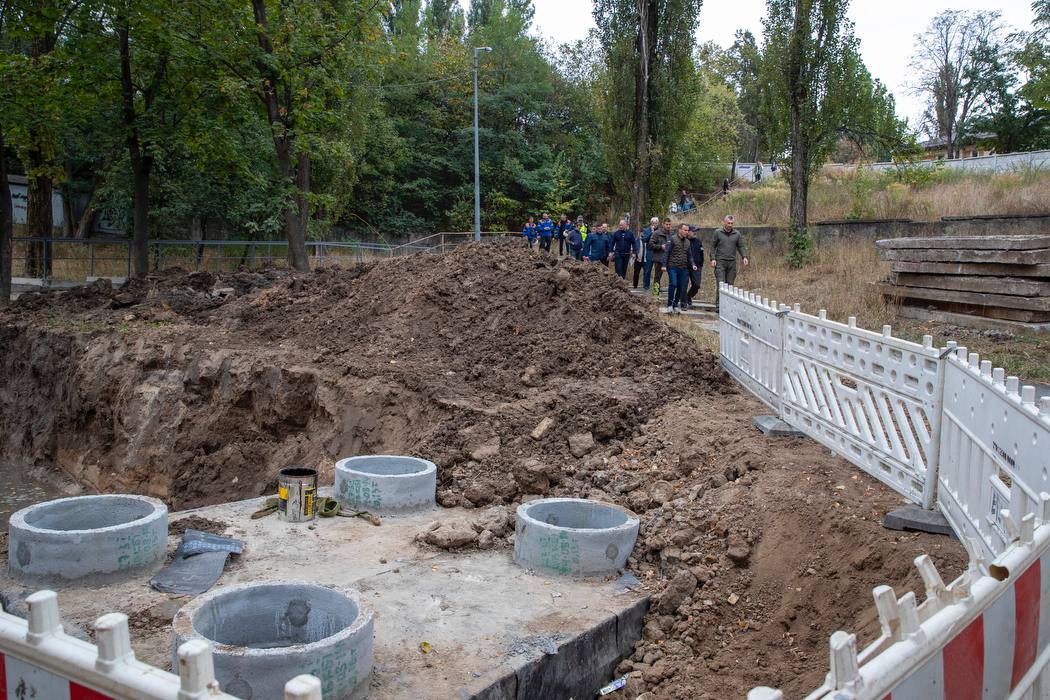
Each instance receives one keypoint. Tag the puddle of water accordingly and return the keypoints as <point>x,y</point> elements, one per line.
<point>19,489</point>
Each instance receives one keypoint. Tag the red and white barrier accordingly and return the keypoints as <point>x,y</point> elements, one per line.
<point>38,661</point>
<point>941,427</point>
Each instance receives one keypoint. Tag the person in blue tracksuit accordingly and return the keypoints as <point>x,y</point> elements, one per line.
<point>529,233</point>
<point>546,231</point>
<point>678,261</point>
<point>573,241</point>
<point>622,248</point>
<point>598,246</point>
<point>643,257</point>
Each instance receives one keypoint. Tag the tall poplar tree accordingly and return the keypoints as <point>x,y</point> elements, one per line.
<point>649,91</point>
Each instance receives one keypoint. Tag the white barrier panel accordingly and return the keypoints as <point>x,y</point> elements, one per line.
<point>750,340</point>
<point>874,399</point>
<point>39,661</point>
<point>995,452</point>
<point>982,636</point>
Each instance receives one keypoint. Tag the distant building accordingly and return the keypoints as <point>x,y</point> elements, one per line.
<point>972,146</point>
<point>104,222</point>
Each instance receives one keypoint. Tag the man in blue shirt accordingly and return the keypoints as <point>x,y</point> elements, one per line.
<point>696,247</point>
<point>546,231</point>
<point>622,248</point>
<point>598,247</point>
<point>560,232</point>
<point>529,232</point>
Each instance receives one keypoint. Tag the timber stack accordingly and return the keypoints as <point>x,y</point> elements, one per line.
<point>991,281</point>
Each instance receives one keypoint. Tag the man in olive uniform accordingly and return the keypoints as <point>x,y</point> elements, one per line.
<point>724,247</point>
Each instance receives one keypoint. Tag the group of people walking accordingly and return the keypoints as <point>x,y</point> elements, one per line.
<point>659,247</point>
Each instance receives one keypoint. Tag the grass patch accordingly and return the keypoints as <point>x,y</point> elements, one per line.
<point>864,194</point>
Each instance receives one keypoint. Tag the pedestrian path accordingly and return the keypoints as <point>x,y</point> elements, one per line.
<point>703,314</point>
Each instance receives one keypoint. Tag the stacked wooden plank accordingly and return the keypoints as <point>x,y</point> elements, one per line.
<point>983,278</point>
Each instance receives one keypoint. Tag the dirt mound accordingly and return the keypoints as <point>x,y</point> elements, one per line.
<point>519,375</point>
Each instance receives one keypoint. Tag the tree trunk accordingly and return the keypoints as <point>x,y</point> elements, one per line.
<point>647,19</point>
<point>141,167</point>
<point>87,218</point>
<point>7,221</point>
<point>40,221</point>
<point>799,173</point>
<point>297,238</point>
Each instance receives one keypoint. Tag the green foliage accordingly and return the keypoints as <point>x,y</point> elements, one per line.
<point>800,246</point>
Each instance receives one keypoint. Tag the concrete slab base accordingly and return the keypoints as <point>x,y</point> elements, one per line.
<point>771,426</point>
<point>912,517</point>
<point>496,631</point>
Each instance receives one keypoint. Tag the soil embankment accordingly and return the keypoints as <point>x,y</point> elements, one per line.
<point>196,389</point>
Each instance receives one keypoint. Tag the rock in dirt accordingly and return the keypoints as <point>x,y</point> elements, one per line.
<point>737,549</point>
<point>451,536</point>
<point>533,476</point>
<point>581,443</point>
<point>532,376</point>
<point>542,428</point>
<point>677,592</point>
<point>499,520</point>
<point>486,540</point>
<point>661,492</point>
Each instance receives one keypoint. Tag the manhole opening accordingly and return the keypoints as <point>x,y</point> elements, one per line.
<point>87,513</point>
<point>273,617</point>
<point>382,465</point>
<point>578,515</point>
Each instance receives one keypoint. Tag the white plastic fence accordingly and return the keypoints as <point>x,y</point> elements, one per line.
<point>997,162</point>
<point>39,661</point>
<point>942,428</point>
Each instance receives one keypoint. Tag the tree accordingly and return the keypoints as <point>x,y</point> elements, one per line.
<point>297,59</point>
<point>948,62</point>
<point>820,91</point>
<point>6,213</point>
<point>648,92</point>
<point>1034,57</point>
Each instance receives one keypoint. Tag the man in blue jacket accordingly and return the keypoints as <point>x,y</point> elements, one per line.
<point>598,247</point>
<point>529,232</point>
<point>546,231</point>
<point>678,261</point>
<point>573,241</point>
<point>622,248</point>
<point>643,257</point>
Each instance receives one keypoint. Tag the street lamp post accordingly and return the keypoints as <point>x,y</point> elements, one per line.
<point>477,159</point>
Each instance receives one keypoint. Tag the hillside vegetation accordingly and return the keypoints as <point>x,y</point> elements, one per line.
<point>865,194</point>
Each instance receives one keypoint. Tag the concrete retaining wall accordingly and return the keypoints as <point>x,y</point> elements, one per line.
<point>824,231</point>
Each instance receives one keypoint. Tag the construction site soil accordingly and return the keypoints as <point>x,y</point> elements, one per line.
<point>520,375</point>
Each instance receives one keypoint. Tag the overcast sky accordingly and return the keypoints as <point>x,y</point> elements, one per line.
<point>886,29</point>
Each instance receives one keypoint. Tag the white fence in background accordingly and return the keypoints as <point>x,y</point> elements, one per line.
<point>995,163</point>
<point>942,428</point>
<point>38,660</point>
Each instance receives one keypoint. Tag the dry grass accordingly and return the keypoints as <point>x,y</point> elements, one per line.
<point>868,195</point>
<point>840,281</point>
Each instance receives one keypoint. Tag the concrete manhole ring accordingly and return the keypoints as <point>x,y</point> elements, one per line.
<point>386,483</point>
<point>88,540</point>
<point>574,536</point>
<point>264,634</point>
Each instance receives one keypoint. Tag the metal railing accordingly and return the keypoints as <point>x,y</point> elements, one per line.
<point>76,260</point>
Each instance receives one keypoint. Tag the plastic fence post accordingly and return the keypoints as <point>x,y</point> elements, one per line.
<point>303,688</point>
<point>889,612</point>
<point>845,669</point>
<point>196,670</point>
<point>114,641</point>
<point>43,616</point>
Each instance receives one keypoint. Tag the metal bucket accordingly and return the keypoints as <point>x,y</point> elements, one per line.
<point>296,492</point>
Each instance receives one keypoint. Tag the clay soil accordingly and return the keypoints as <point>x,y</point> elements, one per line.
<point>196,389</point>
